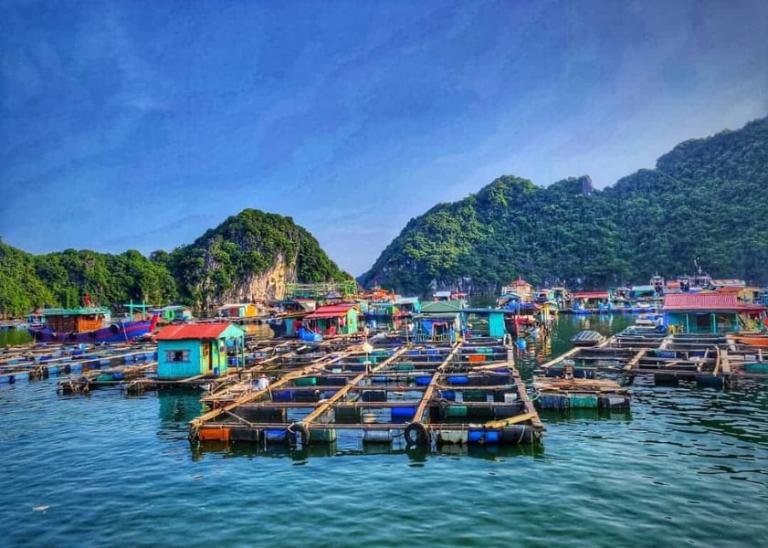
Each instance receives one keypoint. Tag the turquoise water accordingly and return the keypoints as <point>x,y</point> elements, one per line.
<point>687,466</point>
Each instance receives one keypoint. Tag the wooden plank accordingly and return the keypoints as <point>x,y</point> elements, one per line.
<point>322,408</point>
<point>631,364</point>
<point>511,420</point>
<point>725,362</point>
<point>202,419</point>
<point>432,384</point>
<point>561,357</point>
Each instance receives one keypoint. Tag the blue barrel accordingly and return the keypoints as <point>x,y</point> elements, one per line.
<point>276,435</point>
<point>403,413</point>
<point>458,379</point>
<point>475,436</point>
<point>448,395</point>
<point>492,436</point>
<point>76,367</point>
<point>118,376</point>
<point>53,370</point>
<point>282,395</point>
<point>423,380</point>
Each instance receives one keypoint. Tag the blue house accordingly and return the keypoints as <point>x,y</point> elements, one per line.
<point>202,349</point>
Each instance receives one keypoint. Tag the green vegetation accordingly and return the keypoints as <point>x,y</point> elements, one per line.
<point>707,200</point>
<point>14,337</point>
<point>223,260</point>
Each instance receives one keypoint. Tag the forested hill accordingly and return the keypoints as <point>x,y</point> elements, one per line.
<point>707,200</point>
<point>251,255</point>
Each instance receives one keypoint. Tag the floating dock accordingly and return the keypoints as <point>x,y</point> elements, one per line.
<point>427,395</point>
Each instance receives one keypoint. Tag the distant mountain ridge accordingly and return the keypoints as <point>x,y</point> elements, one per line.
<point>252,255</point>
<point>706,201</point>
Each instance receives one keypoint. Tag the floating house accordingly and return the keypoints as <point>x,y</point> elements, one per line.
<point>336,319</point>
<point>173,313</point>
<point>483,322</point>
<point>642,293</point>
<point>586,301</point>
<point>449,296</point>
<point>185,351</point>
<point>408,305</point>
<point>238,310</point>
<point>521,288</point>
<point>438,321</point>
<point>709,313</point>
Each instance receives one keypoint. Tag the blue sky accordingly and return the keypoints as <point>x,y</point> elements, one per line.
<point>127,124</point>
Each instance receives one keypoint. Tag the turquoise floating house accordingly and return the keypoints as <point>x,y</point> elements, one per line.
<point>708,312</point>
<point>173,313</point>
<point>483,322</point>
<point>203,349</point>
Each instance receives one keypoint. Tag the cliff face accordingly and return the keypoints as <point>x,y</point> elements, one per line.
<point>250,256</point>
<point>261,286</point>
<point>706,201</point>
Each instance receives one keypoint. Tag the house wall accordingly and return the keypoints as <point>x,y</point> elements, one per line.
<point>703,322</point>
<point>178,370</point>
<point>496,326</point>
<point>351,323</point>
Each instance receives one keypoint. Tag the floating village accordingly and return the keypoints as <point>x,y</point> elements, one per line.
<point>331,359</point>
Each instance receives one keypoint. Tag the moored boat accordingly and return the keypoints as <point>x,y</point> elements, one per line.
<point>88,325</point>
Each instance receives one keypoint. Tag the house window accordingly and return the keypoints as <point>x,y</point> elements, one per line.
<point>177,356</point>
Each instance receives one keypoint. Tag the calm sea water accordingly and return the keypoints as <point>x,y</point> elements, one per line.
<point>687,466</point>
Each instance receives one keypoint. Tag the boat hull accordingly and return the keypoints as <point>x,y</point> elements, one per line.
<point>121,332</point>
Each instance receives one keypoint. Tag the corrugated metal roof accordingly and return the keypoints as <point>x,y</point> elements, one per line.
<point>705,301</point>
<point>194,331</point>
<point>331,311</point>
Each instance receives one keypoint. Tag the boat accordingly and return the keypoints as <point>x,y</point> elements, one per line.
<point>587,338</point>
<point>88,325</point>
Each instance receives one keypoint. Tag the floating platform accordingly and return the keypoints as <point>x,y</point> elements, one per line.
<point>425,395</point>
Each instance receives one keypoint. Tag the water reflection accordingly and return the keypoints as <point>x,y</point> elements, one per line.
<point>336,449</point>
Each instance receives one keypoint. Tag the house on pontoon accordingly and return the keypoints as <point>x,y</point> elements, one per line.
<point>710,313</point>
<point>335,319</point>
<point>521,288</point>
<point>191,350</point>
<point>483,322</point>
<point>408,305</point>
<point>173,313</point>
<point>438,321</point>
<point>238,310</point>
<point>589,301</point>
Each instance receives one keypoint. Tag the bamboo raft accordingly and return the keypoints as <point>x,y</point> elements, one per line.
<point>420,395</point>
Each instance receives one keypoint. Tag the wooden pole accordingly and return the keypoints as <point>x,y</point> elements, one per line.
<point>323,407</point>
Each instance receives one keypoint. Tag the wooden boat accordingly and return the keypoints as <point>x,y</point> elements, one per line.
<point>88,325</point>
<point>587,338</point>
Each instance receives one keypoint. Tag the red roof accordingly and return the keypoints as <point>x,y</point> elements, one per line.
<point>590,294</point>
<point>331,311</point>
<point>193,331</point>
<point>706,302</point>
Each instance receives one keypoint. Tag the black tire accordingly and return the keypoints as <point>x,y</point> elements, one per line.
<point>300,434</point>
<point>416,434</point>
